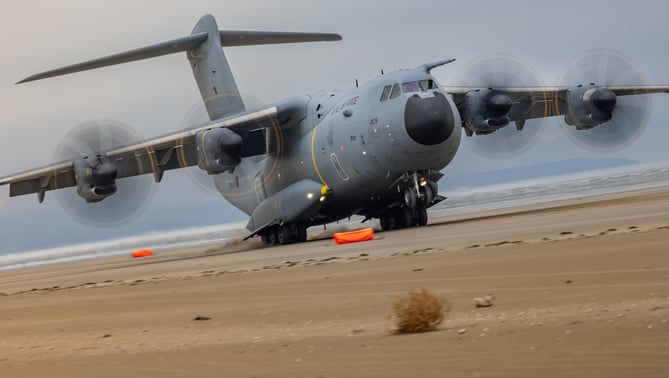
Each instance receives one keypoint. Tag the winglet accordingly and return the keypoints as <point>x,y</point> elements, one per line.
<point>427,67</point>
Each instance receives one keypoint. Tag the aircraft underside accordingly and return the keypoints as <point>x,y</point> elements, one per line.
<point>404,205</point>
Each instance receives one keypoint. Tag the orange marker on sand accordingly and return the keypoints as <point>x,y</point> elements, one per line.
<point>354,236</point>
<point>142,253</point>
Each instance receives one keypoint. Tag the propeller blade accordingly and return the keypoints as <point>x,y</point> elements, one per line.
<point>497,71</point>
<point>196,116</point>
<point>132,194</point>
<point>629,113</point>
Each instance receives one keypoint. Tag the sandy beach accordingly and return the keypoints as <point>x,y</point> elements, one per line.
<point>581,288</point>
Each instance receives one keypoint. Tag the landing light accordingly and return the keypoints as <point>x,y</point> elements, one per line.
<point>322,198</point>
<point>310,196</point>
<point>423,182</point>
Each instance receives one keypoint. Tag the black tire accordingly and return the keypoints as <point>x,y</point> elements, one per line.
<point>392,223</point>
<point>272,236</point>
<point>264,238</point>
<point>405,217</point>
<point>283,234</point>
<point>385,223</point>
<point>410,198</point>
<point>426,195</point>
<point>421,216</point>
<point>301,233</point>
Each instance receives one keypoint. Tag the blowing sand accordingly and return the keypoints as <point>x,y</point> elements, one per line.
<point>581,287</point>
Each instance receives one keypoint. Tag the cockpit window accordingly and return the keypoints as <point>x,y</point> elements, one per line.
<point>396,91</point>
<point>411,86</point>
<point>415,86</point>
<point>428,84</point>
<point>386,93</point>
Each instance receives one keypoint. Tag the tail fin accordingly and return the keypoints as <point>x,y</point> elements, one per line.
<point>212,72</point>
<point>210,67</point>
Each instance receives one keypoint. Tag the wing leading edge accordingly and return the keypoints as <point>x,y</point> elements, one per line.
<point>539,102</point>
<point>157,155</point>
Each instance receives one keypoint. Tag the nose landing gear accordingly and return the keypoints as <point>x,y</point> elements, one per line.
<point>402,217</point>
<point>412,211</point>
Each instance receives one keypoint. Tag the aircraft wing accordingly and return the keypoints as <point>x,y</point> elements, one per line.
<point>157,155</point>
<point>538,102</point>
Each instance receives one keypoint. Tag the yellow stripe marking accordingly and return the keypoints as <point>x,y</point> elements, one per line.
<point>313,156</point>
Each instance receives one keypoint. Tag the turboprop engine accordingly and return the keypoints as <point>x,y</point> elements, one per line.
<point>218,150</point>
<point>487,110</point>
<point>589,106</point>
<point>96,178</point>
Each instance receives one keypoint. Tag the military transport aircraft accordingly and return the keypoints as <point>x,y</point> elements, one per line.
<point>375,150</point>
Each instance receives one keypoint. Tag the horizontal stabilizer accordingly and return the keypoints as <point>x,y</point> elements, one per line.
<point>228,38</point>
<point>248,38</point>
<point>152,51</point>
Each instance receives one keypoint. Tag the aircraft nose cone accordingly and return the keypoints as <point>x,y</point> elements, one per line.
<point>429,121</point>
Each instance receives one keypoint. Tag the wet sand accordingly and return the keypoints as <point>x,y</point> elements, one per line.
<point>581,287</point>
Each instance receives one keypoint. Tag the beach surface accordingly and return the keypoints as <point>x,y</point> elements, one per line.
<point>581,289</point>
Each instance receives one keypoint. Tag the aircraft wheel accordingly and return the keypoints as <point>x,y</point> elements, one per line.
<point>392,222</point>
<point>264,238</point>
<point>410,198</point>
<point>385,223</point>
<point>405,217</point>
<point>421,216</point>
<point>283,234</point>
<point>426,195</point>
<point>272,236</point>
<point>301,233</point>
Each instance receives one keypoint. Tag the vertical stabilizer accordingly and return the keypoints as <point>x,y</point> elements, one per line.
<point>205,53</point>
<point>212,72</point>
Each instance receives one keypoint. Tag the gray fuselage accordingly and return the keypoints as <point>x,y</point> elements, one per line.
<point>353,142</point>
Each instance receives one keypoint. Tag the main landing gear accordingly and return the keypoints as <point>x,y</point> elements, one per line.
<point>412,211</point>
<point>284,234</point>
<point>401,217</point>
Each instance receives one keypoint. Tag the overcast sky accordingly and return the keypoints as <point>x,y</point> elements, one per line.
<point>155,96</point>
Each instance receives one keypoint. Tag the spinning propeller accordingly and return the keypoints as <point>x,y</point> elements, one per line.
<point>197,116</point>
<point>130,195</point>
<point>497,71</point>
<point>629,113</point>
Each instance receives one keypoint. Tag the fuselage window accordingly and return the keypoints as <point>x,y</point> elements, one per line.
<point>386,93</point>
<point>395,92</point>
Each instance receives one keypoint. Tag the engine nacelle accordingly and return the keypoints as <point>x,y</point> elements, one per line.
<point>218,150</point>
<point>486,110</point>
<point>589,106</point>
<point>95,177</point>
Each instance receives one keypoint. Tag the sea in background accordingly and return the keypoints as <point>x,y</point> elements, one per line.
<point>554,188</point>
<point>460,201</point>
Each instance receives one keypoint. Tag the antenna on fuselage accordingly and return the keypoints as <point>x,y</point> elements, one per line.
<point>356,83</point>
<point>381,71</point>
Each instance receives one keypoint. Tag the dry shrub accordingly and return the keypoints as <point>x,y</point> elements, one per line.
<point>418,311</point>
